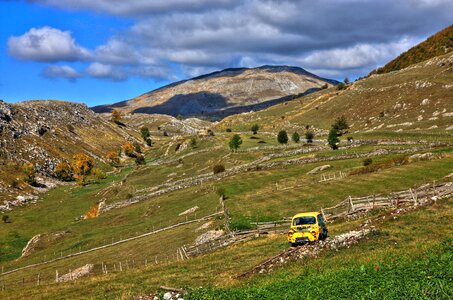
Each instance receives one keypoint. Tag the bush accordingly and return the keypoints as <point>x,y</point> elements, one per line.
<point>5,218</point>
<point>63,171</point>
<point>367,161</point>
<point>255,128</point>
<point>137,147</point>
<point>128,149</point>
<point>29,171</point>
<point>309,135</point>
<point>148,142</point>
<point>98,173</point>
<point>341,86</point>
<point>325,86</point>
<point>116,116</point>
<point>235,142</point>
<point>140,160</point>
<point>218,169</point>
<point>193,142</point>
<point>295,137</point>
<point>228,130</point>
<point>144,131</point>
<point>165,133</point>
<point>282,137</point>
<point>210,132</point>
<point>82,165</point>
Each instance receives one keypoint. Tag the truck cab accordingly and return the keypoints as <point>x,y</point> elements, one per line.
<point>307,227</point>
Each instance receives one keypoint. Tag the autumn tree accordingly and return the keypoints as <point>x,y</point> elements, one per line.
<point>113,158</point>
<point>116,116</point>
<point>128,149</point>
<point>63,171</point>
<point>29,171</point>
<point>82,165</point>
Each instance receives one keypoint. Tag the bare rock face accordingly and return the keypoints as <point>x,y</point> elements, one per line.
<point>223,93</point>
<point>320,169</point>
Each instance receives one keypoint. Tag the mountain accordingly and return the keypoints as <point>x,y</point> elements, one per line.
<point>437,44</point>
<point>224,93</point>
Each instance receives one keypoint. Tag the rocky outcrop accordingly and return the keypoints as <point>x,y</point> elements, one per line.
<point>319,169</point>
<point>209,236</point>
<point>86,270</point>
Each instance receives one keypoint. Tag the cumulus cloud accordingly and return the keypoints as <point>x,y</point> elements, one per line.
<point>139,7</point>
<point>103,71</point>
<point>46,44</point>
<point>66,72</point>
<point>334,37</point>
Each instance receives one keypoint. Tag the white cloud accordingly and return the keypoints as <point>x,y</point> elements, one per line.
<point>46,44</point>
<point>103,71</point>
<point>66,72</point>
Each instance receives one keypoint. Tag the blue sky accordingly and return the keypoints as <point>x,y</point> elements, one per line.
<point>106,51</point>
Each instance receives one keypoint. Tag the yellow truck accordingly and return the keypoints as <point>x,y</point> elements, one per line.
<point>307,227</point>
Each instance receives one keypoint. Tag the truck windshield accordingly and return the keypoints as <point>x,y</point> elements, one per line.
<point>304,221</point>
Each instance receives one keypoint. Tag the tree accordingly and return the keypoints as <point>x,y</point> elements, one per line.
<point>128,149</point>
<point>255,128</point>
<point>82,165</point>
<point>63,171</point>
<point>325,86</point>
<point>29,170</point>
<point>98,173</point>
<point>346,80</point>
<point>5,218</point>
<point>144,131</point>
<point>340,124</point>
<point>332,139</point>
<point>282,137</point>
<point>341,86</point>
<point>295,137</point>
<point>309,135</point>
<point>235,142</point>
<point>116,116</point>
<point>113,158</point>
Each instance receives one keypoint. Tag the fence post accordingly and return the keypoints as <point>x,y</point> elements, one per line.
<point>39,279</point>
<point>70,274</point>
<point>56,275</point>
<point>121,267</point>
<point>351,205</point>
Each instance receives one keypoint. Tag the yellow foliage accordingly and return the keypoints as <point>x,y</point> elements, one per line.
<point>82,166</point>
<point>116,115</point>
<point>128,149</point>
<point>112,157</point>
<point>93,212</point>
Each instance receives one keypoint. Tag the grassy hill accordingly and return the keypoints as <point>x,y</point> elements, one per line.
<point>438,44</point>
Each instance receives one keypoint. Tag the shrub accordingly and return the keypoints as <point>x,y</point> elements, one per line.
<point>29,171</point>
<point>235,142</point>
<point>193,142</point>
<point>148,142</point>
<point>309,135</point>
<point>144,131</point>
<point>98,173</point>
<point>341,86</point>
<point>346,80</point>
<point>218,169</point>
<point>255,128</point>
<point>137,147</point>
<point>210,132</point>
<point>325,86</point>
<point>113,158</point>
<point>165,133</point>
<point>332,139</point>
<point>63,171</point>
<point>282,137</point>
<point>82,165</point>
<point>140,160</point>
<point>128,149</point>
<point>367,161</point>
<point>228,130</point>
<point>70,128</point>
<point>5,218</point>
<point>295,137</point>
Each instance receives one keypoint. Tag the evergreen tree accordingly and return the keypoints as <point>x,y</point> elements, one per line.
<point>235,142</point>
<point>282,137</point>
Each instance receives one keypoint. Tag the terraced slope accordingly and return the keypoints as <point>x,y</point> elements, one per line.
<point>416,99</point>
